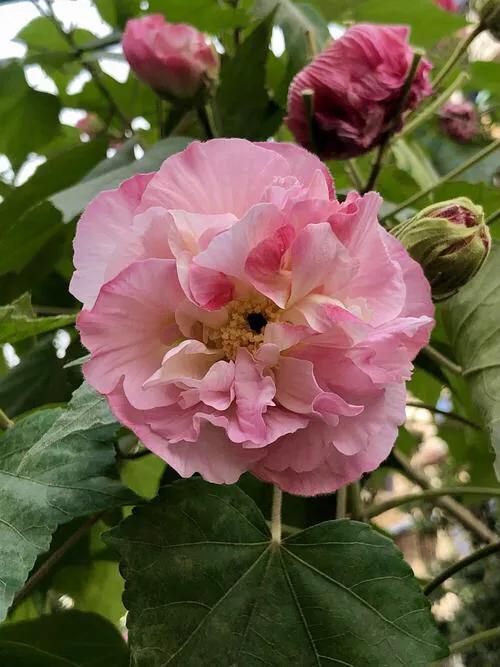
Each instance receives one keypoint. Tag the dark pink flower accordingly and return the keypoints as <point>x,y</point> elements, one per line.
<point>459,120</point>
<point>356,83</point>
<point>173,58</point>
<point>239,317</point>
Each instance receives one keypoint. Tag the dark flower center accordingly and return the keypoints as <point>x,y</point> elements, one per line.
<point>256,322</point>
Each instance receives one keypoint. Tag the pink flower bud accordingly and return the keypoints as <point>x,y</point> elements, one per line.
<point>450,5</point>
<point>460,121</point>
<point>173,58</point>
<point>356,85</point>
<point>90,124</point>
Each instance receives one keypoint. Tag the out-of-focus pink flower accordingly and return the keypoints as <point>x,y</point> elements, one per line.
<point>356,83</point>
<point>450,5</point>
<point>240,318</point>
<point>459,120</point>
<point>90,124</point>
<point>173,58</point>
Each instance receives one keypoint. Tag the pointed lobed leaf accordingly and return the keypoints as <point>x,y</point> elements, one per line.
<point>80,637</point>
<point>71,475</point>
<point>206,585</point>
<point>472,318</point>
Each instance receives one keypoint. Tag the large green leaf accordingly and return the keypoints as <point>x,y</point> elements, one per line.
<point>242,104</point>
<point>84,639</point>
<point>73,200</point>
<point>28,118</point>
<point>44,486</point>
<point>18,321</point>
<point>473,321</point>
<point>210,15</point>
<point>117,12</point>
<point>16,654</point>
<point>205,585</point>
<point>38,379</point>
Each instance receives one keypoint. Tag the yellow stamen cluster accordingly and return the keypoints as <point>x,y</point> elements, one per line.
<point>237,331</point>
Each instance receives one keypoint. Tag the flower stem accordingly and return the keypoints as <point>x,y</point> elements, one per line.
<point>488,550</point>
<point>493,217</point>
<point>382,149</point>
<point>276,515</point>
<point>341,509</point>
<point>375,510</point>
<point>354,174</point>
<point>442,360</point>
<point>426,113</point>
<point>205,122</point>
<point>461,513</point>
<point>5,422</point>
<point>478,638</point>
<point>480,155</point>
<point>460,49</point>
<point>449,415</point>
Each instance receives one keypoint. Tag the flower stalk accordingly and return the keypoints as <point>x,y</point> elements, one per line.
<point>460,49</point>
<point>276,526</point>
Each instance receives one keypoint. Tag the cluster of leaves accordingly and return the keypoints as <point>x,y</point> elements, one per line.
<point>201,569</point>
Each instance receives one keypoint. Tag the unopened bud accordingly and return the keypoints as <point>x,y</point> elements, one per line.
<point>489,15</point>
<point>450,241</point>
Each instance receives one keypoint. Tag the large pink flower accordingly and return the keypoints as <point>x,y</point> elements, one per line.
<point>357,84</point>
<point>173,58</point>
<point>239,317</point>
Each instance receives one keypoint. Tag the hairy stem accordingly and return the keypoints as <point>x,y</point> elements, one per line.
<point>382,149</point>
<point>53,559</point>
<point>375,510</point>
<point>460,49</point>
<point>433,107</point>
<point>5,422</point>
<point>449,415</point>
<point>276,515</point>
<point>493,217</point>
<point>480,155</point>
<point>488,550</point>
<point>461,513</point>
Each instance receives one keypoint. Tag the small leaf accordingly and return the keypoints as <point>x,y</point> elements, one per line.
<point>206,585</point>
<point>18,321</point>
<point>44,485</point>
<point>242,105</point>
<point>209,15</point>
<point>81,638</point>
<point>29,119</point>
<point>472,320</point>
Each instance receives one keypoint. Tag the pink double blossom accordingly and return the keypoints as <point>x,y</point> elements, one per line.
<point>239,317</point>
<point>173,58</point>
<point>356,86</point>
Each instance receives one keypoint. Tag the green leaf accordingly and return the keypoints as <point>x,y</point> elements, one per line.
<point>87,412</point>
<point>29,119</point>
<point>305,30</point>
<point>58,173</point>
<point>242,105</point>
<point>22,241</point>
<point>22,655</point>
<point>37,380</point>
<point>117,12</point>
<point>472,319</point>
<point>73,200</point>
<point>81,638</point>
<point>209,15</point>
<point>45,486</point>
<point>411,158</point>
<point>18,321</point>
<point>206,585</point>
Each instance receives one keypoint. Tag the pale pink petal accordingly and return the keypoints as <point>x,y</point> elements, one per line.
<point>130,328</point>
<point>211,290</point>
<point>105,241</point>
<point>186,362</point>
<point>217,387</point>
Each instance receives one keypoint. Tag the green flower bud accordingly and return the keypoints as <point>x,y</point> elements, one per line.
<point>489,15</point>
<point>450,241</point>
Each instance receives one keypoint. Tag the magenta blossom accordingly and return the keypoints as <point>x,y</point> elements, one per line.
<point>450,5</point>
<point>356,85</point>
<point>239,317</point>
<point>459,120</point>
<point>173,58</point>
